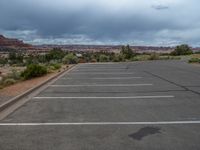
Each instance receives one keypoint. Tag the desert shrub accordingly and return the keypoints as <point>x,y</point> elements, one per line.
<point>175,58</point>
<point>50,69</point>
<point>87,57</point>
<point>31,60</point>
<point>194,60</point>
<point>16,58</point>
<point>41,58</point>
<point>197,52</point>
<point>8,81</point>
<point>10,78</point>
<point>93,60</point>
<point>34,70</point>
<point>183,49</point>
<point>118,58</point>
<point>103,58</point>
<point>127,52</point>
<point>3,61</point>
<point>70,59</point>
<point>1,80</point>
<point>141,57</point>
<point>56,66</point>
<point>164,57</point>
<point>81,60</point>
<point>15,74</point>
<point>169,58</point>
<point>154,56</point>
<point>55,54</point>
<point>135,59</point>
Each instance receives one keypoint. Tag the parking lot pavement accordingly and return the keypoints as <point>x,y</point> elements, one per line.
<point>114,106</point>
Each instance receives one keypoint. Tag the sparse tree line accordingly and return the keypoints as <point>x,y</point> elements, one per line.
<point>38,65</point>
<point>58,56</point>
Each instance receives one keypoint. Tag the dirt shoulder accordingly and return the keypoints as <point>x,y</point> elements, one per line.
<point>19,88</point>
<point>16,89</point>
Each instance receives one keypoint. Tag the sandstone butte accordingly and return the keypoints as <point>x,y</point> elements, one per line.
<point>8,42</point>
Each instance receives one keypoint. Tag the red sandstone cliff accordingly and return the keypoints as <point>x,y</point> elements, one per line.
<point>7,42</point>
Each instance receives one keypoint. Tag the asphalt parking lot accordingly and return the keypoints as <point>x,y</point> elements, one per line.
<point>113,106</point>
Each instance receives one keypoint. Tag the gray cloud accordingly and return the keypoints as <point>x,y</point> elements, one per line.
<point>101,22</point>
<point>160,7</point>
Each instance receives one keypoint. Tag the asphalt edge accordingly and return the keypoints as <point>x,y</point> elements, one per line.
<point>14,100</point>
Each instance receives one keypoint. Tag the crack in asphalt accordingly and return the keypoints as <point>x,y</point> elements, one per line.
<point>176,84</point>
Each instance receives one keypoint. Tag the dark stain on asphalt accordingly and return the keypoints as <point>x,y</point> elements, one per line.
<point>143,132</point>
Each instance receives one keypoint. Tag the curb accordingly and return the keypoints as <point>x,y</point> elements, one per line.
<point>26,93</point>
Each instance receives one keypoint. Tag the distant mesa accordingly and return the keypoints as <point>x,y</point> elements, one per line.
<point>7,44</point>
<point>14,43</point>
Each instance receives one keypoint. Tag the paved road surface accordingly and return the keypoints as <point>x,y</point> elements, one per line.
<point>122,106</point>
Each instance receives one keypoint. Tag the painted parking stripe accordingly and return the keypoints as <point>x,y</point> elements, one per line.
<point>94,97</point>
<point>103,73</point>
<point>101,85</point>
<point>101,123</point>
<point>112,78</point>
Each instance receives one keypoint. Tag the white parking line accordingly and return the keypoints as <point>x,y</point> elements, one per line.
<point>131,97</point>
<point>101,70</point>
<point>104,85</point>
<point>111,78</point>
<point>101,123</point>
<point>103,73</point>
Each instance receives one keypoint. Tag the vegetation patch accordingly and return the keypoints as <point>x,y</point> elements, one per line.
<point>30,65</point>
<point>194,60</point>
<point>70,59</point>
<point>9,81</point>
<point>34,70</point>
<point>183,49</point>
<point>104,58</point>
<point>54,66</point>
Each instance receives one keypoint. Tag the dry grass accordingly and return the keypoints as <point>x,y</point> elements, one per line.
<point>23,86</point>
<point>195,56</point>
<point>8,69</point>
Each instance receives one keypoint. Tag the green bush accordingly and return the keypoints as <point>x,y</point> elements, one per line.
<point>127,52</point>
<point>194,60</point>
<point>70,59</point>
<point>16,58</point>
<point>103,58</point>
<point>33,70</point>
<point>169,58</point>
<point>135,59</point>
<point>118,58</point>
<point>154,56</point>
<point>183,49</point>
<point>3,61</point>
<point>53,67</point>
<point>15,74</point>
<point>8,81</point>
<point>141,57</point>
<point>93,60</point>
<point>56,66</point>
<point>55,54</point>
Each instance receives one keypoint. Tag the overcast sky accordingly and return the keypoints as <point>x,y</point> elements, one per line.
<point>134,22</point>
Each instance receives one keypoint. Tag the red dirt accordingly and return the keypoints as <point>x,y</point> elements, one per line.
<point>23,86</point>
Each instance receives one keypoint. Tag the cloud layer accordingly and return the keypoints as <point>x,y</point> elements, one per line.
<point>144,22</point>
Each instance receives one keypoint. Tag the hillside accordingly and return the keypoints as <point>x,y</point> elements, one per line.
<point>13,43</point>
